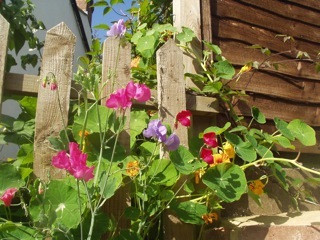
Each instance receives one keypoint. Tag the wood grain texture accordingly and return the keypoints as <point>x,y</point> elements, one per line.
<point>4,36</point>
<point>50,120</point>
<point>264,19</point>
<point>187,13</point>
<point>311,4</point>
<point>22,84</point>
<point>115,75</point>
<point>171,100</point>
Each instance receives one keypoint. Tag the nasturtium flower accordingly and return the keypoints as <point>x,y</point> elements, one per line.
<point>209,218</point>
<point>172,142</point>
<point>220,158</point>
<point>198,175</point>
<point>139,92</point>
<point>210,139</point>
<point>206,155</point>
<point>183,118</point>
<point>118,29</point>
<point>133,168</point>
<point>257,187</point>
<point>229,150</point>
<point>8,195</point>
<point>155,130</point>
<point>119,100</point>
<point>74,162</point>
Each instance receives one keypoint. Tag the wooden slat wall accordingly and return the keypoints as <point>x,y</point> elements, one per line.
<point>292,91</point>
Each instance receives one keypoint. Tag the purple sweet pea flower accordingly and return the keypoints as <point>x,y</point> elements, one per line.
<point>172,142</point>
<point>156,130</point>
<point>118,29</point>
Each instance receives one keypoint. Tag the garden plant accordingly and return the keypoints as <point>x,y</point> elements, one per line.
<point>193,181</point>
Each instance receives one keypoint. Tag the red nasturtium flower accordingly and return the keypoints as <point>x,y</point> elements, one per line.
<point>210,139</point>
<point>74,162</point>
<point>8,195</point>
<point>183,118</point>
<point>206,155</point>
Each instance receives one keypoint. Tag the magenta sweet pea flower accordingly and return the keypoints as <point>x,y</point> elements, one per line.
<point>8,195</point>
<point>156,130</point>
<point>118,29</point>
<point>183,118</point>
<point>139,92</point>
<point>119,99</point>
<point>206,155</point>
<point>74,162</point>
<point>172,142</point>
<point>210,139</point>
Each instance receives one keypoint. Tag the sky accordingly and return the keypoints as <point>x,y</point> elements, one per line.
<point>99,18</point>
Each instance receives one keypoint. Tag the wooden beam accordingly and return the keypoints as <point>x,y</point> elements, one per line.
<point>4,36</point>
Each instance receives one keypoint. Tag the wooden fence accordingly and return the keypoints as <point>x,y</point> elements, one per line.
<point>170,96</point>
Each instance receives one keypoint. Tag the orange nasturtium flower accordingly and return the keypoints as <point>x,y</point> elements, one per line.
<point>220,158</point>
<point>229,150</point>
<point>210,217</point>
<point>133,168</point>
<point>198,174</point>
<point>257,187</point>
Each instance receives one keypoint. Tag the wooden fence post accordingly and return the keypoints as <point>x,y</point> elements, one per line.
<point>171,100</point>
<point>4,35</point>
<point>50,118</point>
<point>116,62</point>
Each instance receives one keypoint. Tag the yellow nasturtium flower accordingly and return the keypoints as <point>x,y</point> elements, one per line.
<point>198,174</point>
<point>133,168</point>
<point>220,158</point>
<point>257,187</point>
<point>229,150</point>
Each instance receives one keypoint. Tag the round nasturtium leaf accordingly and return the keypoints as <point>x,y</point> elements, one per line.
<point>227,180</point>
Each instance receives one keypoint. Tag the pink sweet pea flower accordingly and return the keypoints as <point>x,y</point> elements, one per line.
<point>206,155</point>
<point>118,29</point>
<point>8,196</point>
<point>210,139</point>
<point>74,163</point>
<point>119,99</point>
<point>139,92</point>
<point>183,118</point>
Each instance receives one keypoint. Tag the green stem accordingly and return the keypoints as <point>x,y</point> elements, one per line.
<point>80,210</point>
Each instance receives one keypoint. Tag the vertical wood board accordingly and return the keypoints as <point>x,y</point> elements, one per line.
<point>50,120</point>
<point>4,36</point>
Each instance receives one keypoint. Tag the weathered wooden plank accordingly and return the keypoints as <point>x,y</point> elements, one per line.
<point>187,13</point>
<point>206,20</point>
<point>239,31</point>
<point>4,36</point>
<point>279,86</point>
<point>239,54</point>
<point>116,74</point>
<point>50,120</point>
<point>21,83</point>
<point>171,100</point>
<point>308,3</point>
<point>273,107</point>
<point>279,25</point>
<point>288,10</point>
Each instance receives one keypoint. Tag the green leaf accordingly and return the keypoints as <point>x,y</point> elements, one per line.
<point>189,212</point>
<point>280,175</point>
<point>128,234</point>
<point>9,177</point>
<point>138,122</point>
<point>214,48</point>
<point>283,142</point>
<point>146,46</point>
<point>109,183</point>
<point>246,151</point>
<point>224,69</point>
<point>186,35</point>
<point>184,161</point>
<point>227,180</point>
<point>29,105</point>
<point>113,2</point>
<point>264,152</point>
<point>258,116</point>
<point>163,172</point>
<point>218,130</point>
<point>303,132</point>
<point>102,26</point>
<point>132,213</point>
<point>233,138</point>
<point>282,127</point>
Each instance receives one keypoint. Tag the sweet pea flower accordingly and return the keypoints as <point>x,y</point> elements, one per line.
<point>8,195</point>
<point>74,162</point>
<point>172,142</point>
<point>210,139</point>
<point>139,92</point>
<point>183,118</point>
<point>156,130</point>
<point>118,29</point>
<point>119,99</point>
<point>206,155</point>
